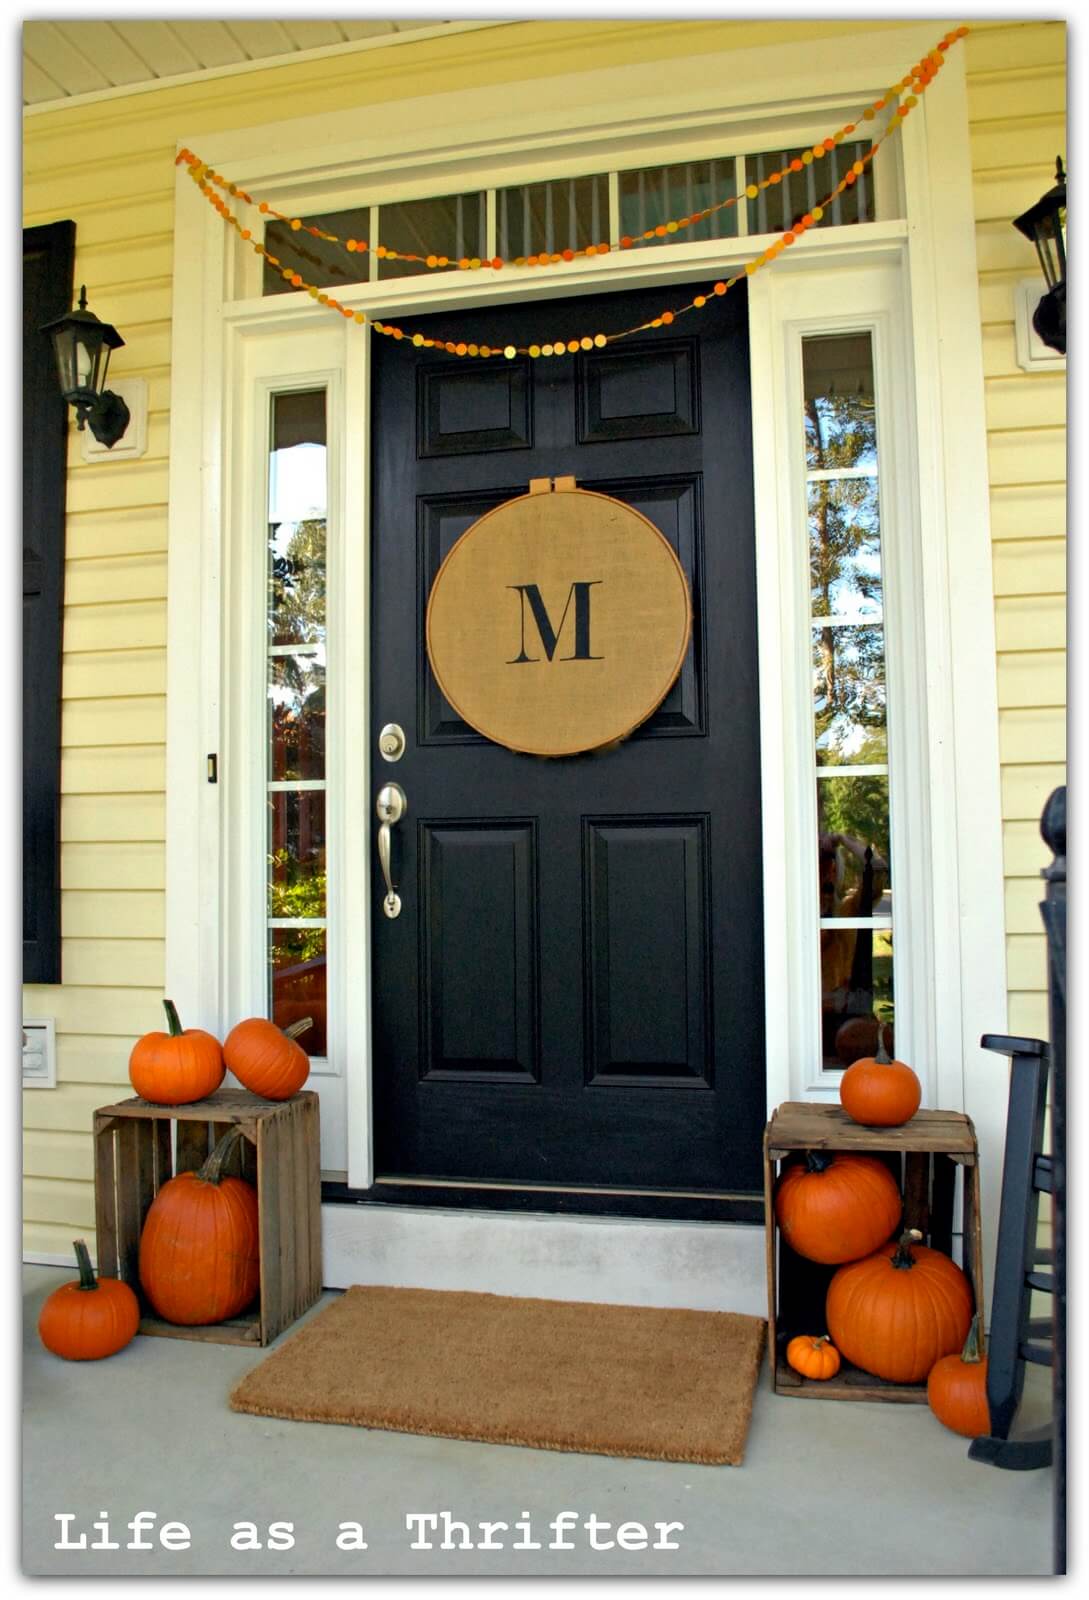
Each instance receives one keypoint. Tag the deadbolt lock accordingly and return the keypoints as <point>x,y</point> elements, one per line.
<point>391,742</point>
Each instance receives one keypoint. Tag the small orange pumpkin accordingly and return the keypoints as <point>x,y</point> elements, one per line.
<point>957,1388</point>
<point>90,1319</point>
<point>898,1311</point>
<point>266,1059</point>
<point>199,1259</point>
<point>176,1068</point>
<point>813,1357</point>
<point>834,1207</point>
<point>878,1091</point>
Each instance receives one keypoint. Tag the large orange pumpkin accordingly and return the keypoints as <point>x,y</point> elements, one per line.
<point>834,1207</point>
<point>199,1258</point>
<point>878,1091</point>
<point>176,1068</point>
<point>266,1059</point>
<point>956,1388</point>
<point>90,1319</point>
<point>900,1310</point>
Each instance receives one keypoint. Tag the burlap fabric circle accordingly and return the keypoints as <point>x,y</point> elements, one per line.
<point>558,622</point>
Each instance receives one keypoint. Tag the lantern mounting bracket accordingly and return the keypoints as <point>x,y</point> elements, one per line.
<point>106,414</point>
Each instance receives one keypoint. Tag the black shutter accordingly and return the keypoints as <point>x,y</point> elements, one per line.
<point>48,260</point>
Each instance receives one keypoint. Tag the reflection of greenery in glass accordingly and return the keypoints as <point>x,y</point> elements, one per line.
<point>841,437</point>
<point>858,807</point>
<point>303,898</point>
<point>845,547</point>
<point>883,1003</point>
<point>296,858</point>
<point>840,431</point>
<point>849,695</point>
<point>296,582</point>
<point>296,696</point>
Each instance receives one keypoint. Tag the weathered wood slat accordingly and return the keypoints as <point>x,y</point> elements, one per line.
<point>226,1105</point>
<point>917,1190</point>
<point>105,1195</point>
<point>312,1148</point>
<point>240,1330</point>
<point>801,1125</point>
<point>193,1145</point>
<point>848,1384</point>
<point>271,1167</point>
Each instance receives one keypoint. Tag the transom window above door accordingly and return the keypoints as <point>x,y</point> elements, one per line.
<point>573,212</point>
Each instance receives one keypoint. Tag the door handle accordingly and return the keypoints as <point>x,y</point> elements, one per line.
<point>391,806</point>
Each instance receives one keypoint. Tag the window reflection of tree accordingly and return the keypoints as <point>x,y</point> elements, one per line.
<point>849,684</point>
<point>297,591</point>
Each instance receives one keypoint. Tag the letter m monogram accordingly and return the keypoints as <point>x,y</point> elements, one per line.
<point>530,595</point>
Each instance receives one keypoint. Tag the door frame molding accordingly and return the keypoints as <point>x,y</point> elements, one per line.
<point>586,120</point>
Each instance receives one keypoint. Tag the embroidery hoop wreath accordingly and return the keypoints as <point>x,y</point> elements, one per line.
<point>640,639</point>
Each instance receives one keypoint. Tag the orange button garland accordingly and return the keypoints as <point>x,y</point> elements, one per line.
<point>912,85</point>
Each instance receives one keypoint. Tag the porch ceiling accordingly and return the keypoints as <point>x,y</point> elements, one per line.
<point>65,58</point>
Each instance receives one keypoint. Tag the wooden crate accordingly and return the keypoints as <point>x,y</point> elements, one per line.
<point>934,1158</point>
<point>139,1146</point>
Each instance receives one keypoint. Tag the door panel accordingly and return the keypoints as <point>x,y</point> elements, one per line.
<point>572,995</point>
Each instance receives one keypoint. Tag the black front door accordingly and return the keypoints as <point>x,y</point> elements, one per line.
<point>571,998</point>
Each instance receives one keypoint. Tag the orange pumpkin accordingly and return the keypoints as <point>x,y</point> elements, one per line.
<point>813,1357</point>
<point>956,1388</point>
<point>878,1091</point>
<point>900,1310</point>
<point>199,1258</point>
<point>858,1037</point>
<point>90,1319</point>
<point>834,1207</point>
<point>266,1059</point>
<point>176,1068</point>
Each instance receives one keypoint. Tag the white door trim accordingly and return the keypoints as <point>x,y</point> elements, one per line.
<point>587,115</point>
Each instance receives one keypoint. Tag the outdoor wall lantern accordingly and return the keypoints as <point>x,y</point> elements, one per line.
<point>1045,224</point>
<point>82,345</point>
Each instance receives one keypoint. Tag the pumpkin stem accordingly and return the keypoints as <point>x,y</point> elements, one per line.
<point>172,1019</point>
<point>882,1057</point>
<point>299,1027</point>
<point>903,1256</point>
<point>87,1279</point>
<point>973,1345</point>
<point>818,1160</point>
<point>212,1170</point>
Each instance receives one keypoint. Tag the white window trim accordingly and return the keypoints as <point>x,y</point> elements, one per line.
<point>961,782</point>
<point>858,293</point>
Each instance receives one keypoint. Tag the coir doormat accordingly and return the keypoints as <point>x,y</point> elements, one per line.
<point>668,1385</point>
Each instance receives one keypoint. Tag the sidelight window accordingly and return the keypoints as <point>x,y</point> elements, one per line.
<point>850,727</point>
<point>295,680</point>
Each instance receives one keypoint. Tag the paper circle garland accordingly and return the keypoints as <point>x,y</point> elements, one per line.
<point>558,622</point>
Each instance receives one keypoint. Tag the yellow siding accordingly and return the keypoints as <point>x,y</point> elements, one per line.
<point>109,166</point>
<point>1016,98</point>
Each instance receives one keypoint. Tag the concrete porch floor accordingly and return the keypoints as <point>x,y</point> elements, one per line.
<point>826,1489</point>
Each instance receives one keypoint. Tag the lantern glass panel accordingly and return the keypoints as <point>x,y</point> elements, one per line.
<point>82,359</point>
<point>1051,246</point>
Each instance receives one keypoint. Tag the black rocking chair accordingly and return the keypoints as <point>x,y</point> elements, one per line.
<point>1028,1171</point>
